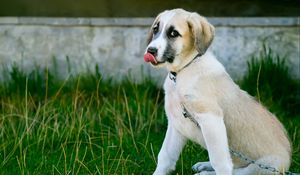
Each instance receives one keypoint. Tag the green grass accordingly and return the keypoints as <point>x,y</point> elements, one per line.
<point>87,125</point>
<point>269,80</point>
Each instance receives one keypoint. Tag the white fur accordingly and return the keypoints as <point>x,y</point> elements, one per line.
<point>228,118</point>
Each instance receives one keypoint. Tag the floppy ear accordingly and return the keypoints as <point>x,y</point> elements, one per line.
<point>150,34</point>
<point>202,32</point>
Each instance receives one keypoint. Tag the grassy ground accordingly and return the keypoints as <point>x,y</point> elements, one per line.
<point>87,125</point>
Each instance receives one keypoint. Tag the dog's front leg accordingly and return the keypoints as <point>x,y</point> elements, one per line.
<point>215,137</point>
<point>170,151</point>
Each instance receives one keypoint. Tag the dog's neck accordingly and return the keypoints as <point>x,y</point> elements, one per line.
<point>172,74</point>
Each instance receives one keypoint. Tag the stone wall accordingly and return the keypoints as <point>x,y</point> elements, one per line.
<point>117,45</point>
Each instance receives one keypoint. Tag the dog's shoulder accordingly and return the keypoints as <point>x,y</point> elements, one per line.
<point>202,71</point>
<point>208,66</point>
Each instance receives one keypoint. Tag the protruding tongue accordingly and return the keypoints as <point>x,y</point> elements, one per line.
<point>148,57</point>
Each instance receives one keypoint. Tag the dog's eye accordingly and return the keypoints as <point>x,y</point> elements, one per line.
<point>174,34</point>
<point>155,29</point>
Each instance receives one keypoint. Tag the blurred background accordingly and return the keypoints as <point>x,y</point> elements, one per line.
<point>81,33</point>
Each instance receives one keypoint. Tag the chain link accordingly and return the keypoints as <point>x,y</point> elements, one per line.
<point>262,166</point>
<point>251,161</point>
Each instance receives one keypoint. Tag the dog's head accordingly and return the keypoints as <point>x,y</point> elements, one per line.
<point>176,36</point>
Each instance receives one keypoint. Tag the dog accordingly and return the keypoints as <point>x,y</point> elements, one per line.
<point>203,104</point>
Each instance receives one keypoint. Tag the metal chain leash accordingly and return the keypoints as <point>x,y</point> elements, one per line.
<point>260,165</point>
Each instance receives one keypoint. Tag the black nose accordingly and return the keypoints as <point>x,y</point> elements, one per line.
<point>152,50</point>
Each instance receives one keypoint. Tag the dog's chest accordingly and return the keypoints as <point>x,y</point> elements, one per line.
<point>174,111</point>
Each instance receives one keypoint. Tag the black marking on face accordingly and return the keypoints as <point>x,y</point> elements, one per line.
<point>155,29</point>
<point>172,33</point>
<point>169,54</point>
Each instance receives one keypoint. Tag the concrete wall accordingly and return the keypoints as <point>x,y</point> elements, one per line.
<point>117,44</point>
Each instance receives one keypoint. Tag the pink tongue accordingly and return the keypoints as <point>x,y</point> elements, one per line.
<point>148,57</point>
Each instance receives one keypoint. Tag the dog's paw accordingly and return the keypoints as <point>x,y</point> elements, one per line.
<point>202,166</point>
<point>206,173</point>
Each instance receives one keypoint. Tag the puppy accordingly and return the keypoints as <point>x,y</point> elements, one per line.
<point>204,105</point>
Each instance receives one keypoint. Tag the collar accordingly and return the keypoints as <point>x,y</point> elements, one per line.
<point>172,75</point>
